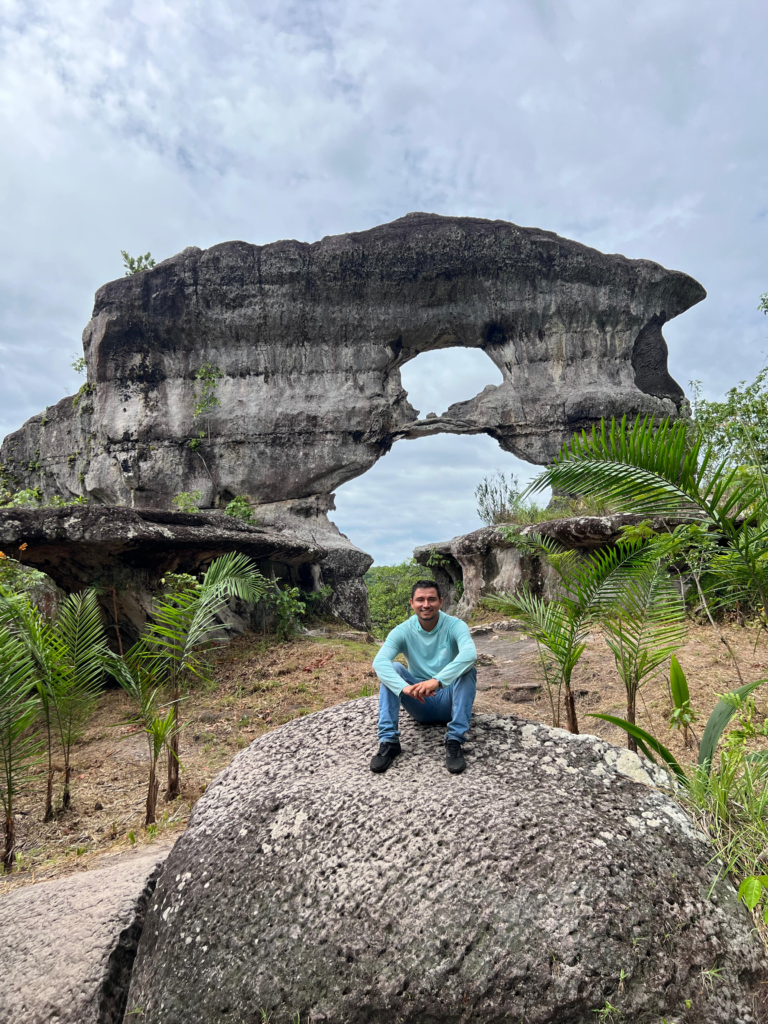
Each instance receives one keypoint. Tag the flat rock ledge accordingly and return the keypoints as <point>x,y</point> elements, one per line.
<point>549,878</point>
<point>125,551</point>
<point>486,562</point>
<point>67,946</point>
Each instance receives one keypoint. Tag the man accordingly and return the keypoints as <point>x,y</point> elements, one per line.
<point>439,683</point>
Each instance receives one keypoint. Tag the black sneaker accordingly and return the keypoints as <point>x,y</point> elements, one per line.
<point>454,759</point>
<point>386,755</point>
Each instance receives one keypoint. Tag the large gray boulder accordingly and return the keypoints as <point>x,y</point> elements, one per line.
<point>67,946</point>
<point>311,339</point>
<point>549,878</point>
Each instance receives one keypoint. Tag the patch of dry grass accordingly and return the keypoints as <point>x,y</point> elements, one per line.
<point>258,685</point>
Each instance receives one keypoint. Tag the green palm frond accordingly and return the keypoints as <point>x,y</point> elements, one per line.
<point>740,571</point>
<point>235,575</point>
<point>160,729</point>
<point>79,645</point>
<point>184,623</point>
<point>25,621</point>
<point>643,617</point>
<point>20,747</point>
<point>652,471</point>
<point>79,670</point>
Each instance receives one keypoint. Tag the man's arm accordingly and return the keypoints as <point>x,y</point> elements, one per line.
<point>465,657</point>
<point>382,663</point>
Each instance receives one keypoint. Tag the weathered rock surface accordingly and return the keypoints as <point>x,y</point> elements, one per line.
<point>68,945</point>
<point>485,562</point>
<point>311,339</point>
<point>126,551</point>
<point>547,879</point>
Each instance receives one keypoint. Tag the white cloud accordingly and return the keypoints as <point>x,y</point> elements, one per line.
<point>635,127</point>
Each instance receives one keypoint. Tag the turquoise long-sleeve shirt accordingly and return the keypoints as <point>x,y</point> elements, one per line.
<point>444,653</point>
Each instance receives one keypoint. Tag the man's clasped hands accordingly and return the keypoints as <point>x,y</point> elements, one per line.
<point>422,690</point>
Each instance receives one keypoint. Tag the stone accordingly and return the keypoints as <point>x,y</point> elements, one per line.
<point>68,945</point>
<point>522,692</point>
<point>127,551</point>
<point>486,562</point>
<point>311,339</point>
<point>549,878</point>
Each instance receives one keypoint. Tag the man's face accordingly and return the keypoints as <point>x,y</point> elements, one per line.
<point>426,604</point>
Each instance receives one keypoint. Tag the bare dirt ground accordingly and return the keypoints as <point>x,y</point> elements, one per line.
<point>258,685</point>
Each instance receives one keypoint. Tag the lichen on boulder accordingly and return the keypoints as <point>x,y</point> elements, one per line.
<point>550,879</point>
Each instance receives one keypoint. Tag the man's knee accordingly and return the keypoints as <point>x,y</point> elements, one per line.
<point>401,670</point>
<point>469,678</point>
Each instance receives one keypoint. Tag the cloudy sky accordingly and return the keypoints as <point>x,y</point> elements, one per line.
<point>635,126</point>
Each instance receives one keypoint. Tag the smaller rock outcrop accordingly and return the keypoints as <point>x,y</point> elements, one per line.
<point>487,562</point>
<point>549,878</point>
<point>125,552</point>
<point>68,945</point>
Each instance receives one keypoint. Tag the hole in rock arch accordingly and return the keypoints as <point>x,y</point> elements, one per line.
<point>435,380</point>
<point>423,491</point>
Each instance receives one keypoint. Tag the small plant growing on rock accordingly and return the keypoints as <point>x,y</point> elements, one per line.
<point>187,501</point>
<point>134,265</point>
<point>206,382</point>
<point>240,508</point>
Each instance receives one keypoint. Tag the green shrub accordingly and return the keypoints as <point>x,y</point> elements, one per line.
<point>240,508</point>
<point>187,501</point>
<point>135,264</point>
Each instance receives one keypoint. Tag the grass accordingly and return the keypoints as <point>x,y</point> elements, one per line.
<point>258,686</point>
<point>527,514</point>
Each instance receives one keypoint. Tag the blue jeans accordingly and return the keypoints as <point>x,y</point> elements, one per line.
<point>451,704</point>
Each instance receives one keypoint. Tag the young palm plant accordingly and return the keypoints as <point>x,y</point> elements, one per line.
<point>643,619</point>
<point>80,646</point>
<point>136,673</point>
<point>67,657</point>
<point>184,624</point>
<point>20,747</point>
<point>657,471</point>
<point>29,625</point>
<point>562,626</point>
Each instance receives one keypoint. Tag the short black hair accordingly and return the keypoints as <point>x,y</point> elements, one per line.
<point>425,585</point>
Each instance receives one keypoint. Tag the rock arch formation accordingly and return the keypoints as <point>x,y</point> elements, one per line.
<point>311,338</point>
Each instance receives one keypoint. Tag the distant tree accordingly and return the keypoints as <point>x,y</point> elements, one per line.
<point>736,427</point>
<point>136,265</point>
<point>78,364</point>
<point>497,498</point>
<point>389,593</point>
